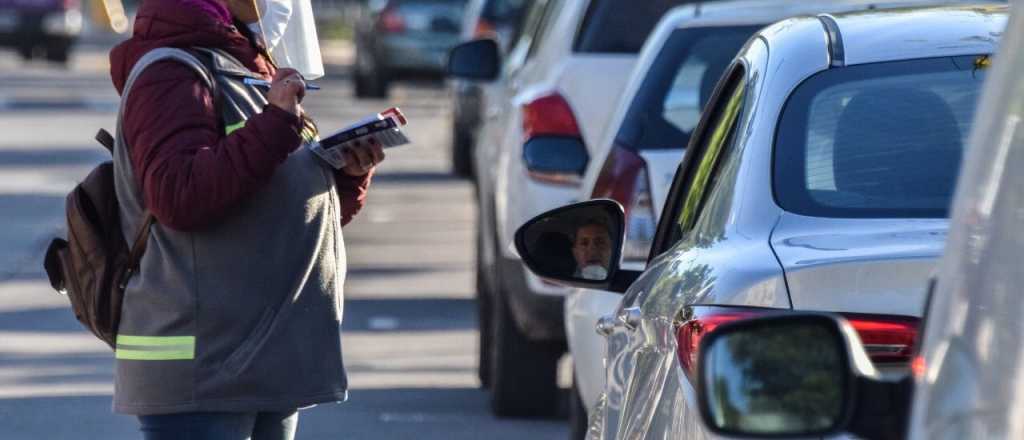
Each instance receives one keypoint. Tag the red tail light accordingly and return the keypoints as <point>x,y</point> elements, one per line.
<point>887,339</point>
<point>703,321</point>
<point>484,29</point>
<point>391,21</point>
<point>624,179</point>
<point>549,115</point>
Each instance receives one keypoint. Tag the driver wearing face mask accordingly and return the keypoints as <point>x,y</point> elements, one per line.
<point>592,250</point>
<point>231,321</point>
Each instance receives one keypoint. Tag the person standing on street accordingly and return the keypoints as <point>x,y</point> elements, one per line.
<point>231,322</point>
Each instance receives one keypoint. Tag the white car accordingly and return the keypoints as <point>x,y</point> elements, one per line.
<point>818,179</point>
<point>965,383</point>
<point>560,80</point>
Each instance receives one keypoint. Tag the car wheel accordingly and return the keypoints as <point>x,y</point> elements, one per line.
<point>58,53</point>
<point>25,52</point>
<point>523,372</point>
<point>462,151</point>
<point>577,414</point>
<point>483,302</point>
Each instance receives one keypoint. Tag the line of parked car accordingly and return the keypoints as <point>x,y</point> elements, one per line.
<point>778,168</point>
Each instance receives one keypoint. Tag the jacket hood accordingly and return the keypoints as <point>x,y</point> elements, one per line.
<point>170,23</point>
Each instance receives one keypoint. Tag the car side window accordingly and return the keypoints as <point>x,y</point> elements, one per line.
<point>701,171</point>
<point>532,25</point>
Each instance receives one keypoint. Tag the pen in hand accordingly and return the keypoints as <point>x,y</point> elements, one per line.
<point>265,83</point>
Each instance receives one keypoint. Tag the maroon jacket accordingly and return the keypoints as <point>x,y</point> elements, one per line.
<point>191,174</point>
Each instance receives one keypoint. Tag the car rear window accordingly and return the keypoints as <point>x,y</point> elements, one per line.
<point>620,26</point>
<point>667,106</point>
<point>878,140</point>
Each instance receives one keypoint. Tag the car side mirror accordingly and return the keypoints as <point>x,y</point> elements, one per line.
<point>575,245</point>
<point>796,376</point>
<point>477,60</point>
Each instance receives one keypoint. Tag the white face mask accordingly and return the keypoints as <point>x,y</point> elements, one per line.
<point>288,30</point>
<point>594,272</point>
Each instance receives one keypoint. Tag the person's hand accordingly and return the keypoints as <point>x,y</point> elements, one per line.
<point>287,90</point>
<point>361,156</point>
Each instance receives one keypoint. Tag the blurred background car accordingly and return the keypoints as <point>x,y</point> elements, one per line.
<point>399,39</point>
<point>40,28</point>
<point>959,386</point>
<point>497,19</point>
<point>818,179</point>
<point>559,84</point>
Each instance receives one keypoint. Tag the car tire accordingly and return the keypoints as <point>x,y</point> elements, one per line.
<point>25,52</point>
<point>578,419</point>
<point>462,152</point>
<point>371,83</point>
<point>483,303</point>
<point>58,52</point>
<point>523,372</point>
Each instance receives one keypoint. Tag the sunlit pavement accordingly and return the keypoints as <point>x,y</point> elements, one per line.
<point>409,329</point>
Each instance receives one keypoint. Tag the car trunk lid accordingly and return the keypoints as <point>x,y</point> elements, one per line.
<point>874,266</point>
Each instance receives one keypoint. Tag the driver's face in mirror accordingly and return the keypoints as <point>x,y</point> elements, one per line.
<point>592,249</point>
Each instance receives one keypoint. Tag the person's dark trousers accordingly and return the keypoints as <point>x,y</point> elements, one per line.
<point>220,426</point>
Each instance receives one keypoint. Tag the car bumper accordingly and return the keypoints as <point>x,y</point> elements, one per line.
<point>17,27</point>
<point>537,315</point>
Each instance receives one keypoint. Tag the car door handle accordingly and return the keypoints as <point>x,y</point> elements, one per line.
<point>606,325</point>
<point>629,318</point>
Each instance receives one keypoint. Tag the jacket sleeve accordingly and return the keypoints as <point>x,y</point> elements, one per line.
<point>352,191</point>
<point>191,174</point>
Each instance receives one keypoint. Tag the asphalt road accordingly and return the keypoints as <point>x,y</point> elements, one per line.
<point>410,326</point>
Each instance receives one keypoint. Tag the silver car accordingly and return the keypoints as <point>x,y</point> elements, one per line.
<point>818,179</point>
<point>966,378</point>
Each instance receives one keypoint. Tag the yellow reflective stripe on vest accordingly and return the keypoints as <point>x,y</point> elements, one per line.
<point>155,348</point>
<point>233,127</point>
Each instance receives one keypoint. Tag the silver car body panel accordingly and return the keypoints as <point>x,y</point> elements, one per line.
<point>730,260</point>
<point>971,385</point>
<point>858,265</point>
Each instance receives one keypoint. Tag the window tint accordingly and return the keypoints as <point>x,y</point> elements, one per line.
<point>504,11</point>
<point>878,140</point>
<point>668,103</point>
<point>620,26</point>
<point>710,148</point>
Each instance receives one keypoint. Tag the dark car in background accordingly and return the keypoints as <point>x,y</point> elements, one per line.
<point>398,39</point>
<point>497,19</point>
<point>35,28</point>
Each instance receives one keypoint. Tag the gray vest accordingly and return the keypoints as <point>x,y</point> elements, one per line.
<point>243,315</point>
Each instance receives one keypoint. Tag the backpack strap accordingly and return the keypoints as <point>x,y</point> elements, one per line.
<point>138,247</point>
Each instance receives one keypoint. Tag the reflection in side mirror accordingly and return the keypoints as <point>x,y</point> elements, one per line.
<point>577,244</point>
<point>477,59</point>
<point>797,375</point>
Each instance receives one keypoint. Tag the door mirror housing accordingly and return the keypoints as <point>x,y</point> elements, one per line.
<point>796,376</point>
<point>576,245</point>
<point>475,60</point>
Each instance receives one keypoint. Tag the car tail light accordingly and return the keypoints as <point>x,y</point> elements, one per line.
<point>624,178</point>
<point>484,29</point>
<point>553,149</point>
<point>549,115</point>
<point>887,339</point>
<point>391,21</point>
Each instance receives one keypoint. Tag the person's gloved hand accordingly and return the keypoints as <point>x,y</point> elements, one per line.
<point>361,156</point>
<point>287,90</point>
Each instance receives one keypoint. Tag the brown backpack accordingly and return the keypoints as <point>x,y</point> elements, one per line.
<point>93,266</point>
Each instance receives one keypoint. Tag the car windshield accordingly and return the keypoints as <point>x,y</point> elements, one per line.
<point>877,140</point>
<point>668,103</point>
<point>618,26</point>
